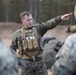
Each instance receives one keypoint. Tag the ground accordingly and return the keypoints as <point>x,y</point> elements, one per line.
<point>7,31</point>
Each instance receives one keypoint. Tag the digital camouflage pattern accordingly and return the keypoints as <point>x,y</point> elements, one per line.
<point>41,29</point>
<point>8,61</point>
<point>66,58</point>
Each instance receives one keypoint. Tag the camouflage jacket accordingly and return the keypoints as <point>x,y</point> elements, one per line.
<point>66,58</point>
<point>41,28</point>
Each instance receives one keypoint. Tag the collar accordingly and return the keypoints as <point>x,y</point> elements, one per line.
<point>27,28</point>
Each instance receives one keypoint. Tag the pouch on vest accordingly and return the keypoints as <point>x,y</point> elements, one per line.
<point>28,44</point>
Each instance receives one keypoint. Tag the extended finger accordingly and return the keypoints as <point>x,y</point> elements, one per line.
<point>70,14</point>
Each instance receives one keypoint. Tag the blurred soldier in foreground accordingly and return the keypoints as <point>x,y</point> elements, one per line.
<point>51,48</point>
<point>28,41</point>
<point>66,58</point>
<point>8,61</point>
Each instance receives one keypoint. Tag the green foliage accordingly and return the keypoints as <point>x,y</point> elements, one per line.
<point>46,9</point>
<point>15,8</point>
<point>52,8</point>
<point>1,10</point>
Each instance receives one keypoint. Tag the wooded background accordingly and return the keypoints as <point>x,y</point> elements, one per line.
<point>42,10</point>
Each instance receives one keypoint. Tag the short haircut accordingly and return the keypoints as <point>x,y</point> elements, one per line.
<point>24,13</point>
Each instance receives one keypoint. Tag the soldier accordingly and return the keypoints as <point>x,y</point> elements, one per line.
<point>8,61</point>
<point>27,41</point>
<point>66,58</point>
<point>51,48</point>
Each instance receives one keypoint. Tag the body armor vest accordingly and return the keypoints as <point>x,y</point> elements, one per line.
<point>28,43</point>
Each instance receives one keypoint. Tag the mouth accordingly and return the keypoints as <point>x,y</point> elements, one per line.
<point>30,24</point>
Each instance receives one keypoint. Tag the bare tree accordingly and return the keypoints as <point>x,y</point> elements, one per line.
<point>1,10</point>
<point>7,2</point>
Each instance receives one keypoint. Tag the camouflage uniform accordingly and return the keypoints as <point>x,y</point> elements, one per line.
<point>8,61</point>
<point>37,66</point>
<point>66,58</point>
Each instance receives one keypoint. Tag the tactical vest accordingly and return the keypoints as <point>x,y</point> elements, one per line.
<point>28,43</point>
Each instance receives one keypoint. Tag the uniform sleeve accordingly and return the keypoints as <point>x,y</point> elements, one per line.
<point>66,58</point>
<point>14,44</point>
<point>50,24</point>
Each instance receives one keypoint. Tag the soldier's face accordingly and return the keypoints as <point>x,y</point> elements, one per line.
<point>27,21</point>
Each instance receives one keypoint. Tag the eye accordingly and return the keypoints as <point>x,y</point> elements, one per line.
<point>29,19</point>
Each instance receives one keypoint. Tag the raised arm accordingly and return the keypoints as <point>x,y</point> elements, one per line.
<point>52,23</point>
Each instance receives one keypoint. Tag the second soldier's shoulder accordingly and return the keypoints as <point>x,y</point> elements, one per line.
<point>71,38</point>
